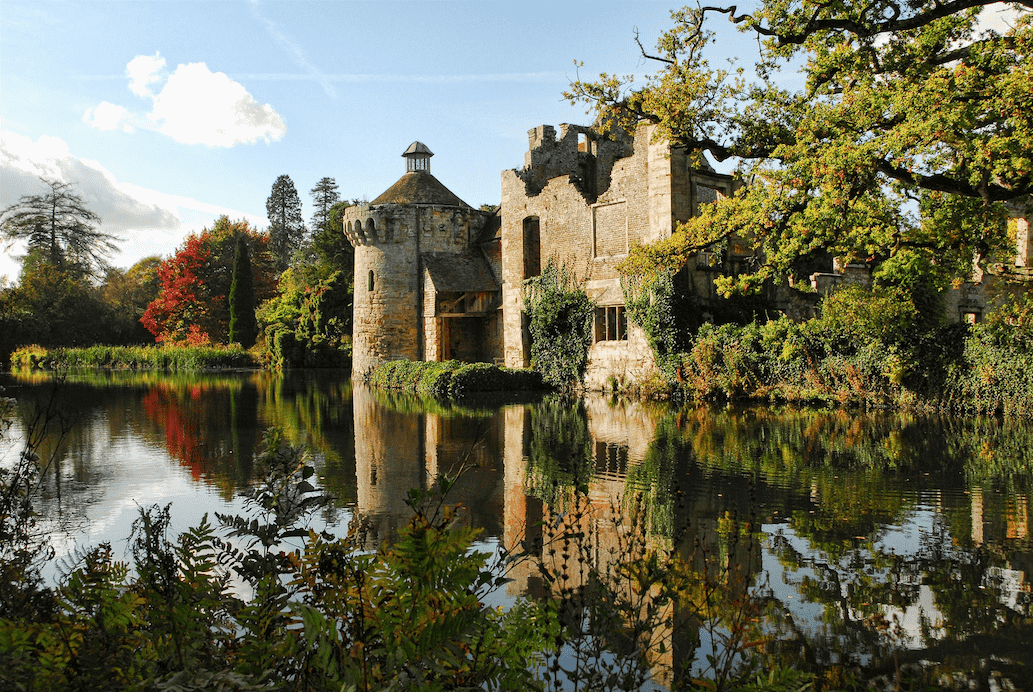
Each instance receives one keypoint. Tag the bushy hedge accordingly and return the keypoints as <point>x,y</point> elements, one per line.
<point>994,373</point>
<point>133,357</point>
<point>452,378</point>
<point>970,369</point>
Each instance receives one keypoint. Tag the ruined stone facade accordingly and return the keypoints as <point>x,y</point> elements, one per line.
<point>436,279</point>
<point>584,201</point>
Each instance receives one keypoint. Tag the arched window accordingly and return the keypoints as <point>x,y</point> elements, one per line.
<point>371,230</point>
<point>371,280</point>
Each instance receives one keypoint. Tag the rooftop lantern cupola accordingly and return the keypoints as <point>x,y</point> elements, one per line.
<point>417,157</point>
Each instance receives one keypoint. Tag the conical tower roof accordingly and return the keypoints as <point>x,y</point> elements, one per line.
<point>418,186</point>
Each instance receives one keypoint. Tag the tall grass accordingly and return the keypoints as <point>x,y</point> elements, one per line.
<point>132,357</point>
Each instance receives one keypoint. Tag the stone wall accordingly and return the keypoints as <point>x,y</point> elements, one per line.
<point>641,189</point>
<point>391,319</point>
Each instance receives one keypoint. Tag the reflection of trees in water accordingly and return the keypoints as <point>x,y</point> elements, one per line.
<point>210,423</point>
<point>314,409</point>
<point>559,451</point>
<point>851,481</point>
<point>911,533</point>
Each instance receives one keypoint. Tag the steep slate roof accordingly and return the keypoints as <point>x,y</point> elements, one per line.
<point>468,272</point>
<point>419,187</point>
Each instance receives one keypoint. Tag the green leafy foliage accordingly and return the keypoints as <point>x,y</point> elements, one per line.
<point>286,224</point>
<point>323,614</point>
<point>900,103</point>
<point>654,305</point>
<point>309,325</point>
<point>452,379</point>
<point>559,316</point>
<point>324,197</point>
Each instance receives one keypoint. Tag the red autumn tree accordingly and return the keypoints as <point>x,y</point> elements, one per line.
<point>192,305</point>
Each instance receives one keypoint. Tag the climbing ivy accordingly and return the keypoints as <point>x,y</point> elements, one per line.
<point>651,303</point>
<point>559,316</point>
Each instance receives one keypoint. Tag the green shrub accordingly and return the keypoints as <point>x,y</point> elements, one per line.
<point>309,326</point>
<point>993,374</point>
<point>452,378</point>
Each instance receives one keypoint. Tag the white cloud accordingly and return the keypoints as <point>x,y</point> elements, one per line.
<point>108,116</point>
<point>999,17</point>
<point>23,161</point>
<point>192,106</point>
<point>197,106</point>
<point>144,70</point>
<point>148,222</point>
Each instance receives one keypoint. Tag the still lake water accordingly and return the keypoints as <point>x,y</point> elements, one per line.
<point>921,522</point>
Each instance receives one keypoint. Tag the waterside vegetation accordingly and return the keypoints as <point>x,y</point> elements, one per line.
<point>172,357</point>
<point>453,379</point>
<point>262,601</point>
<point>864,350</point>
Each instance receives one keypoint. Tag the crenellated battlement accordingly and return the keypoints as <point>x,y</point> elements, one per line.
<point>439,228</point>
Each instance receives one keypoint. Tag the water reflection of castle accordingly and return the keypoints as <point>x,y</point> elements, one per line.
<point>397,450</point>
<point>623,447</point>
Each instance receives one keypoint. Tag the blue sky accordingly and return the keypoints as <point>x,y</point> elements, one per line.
<point>167,114</point>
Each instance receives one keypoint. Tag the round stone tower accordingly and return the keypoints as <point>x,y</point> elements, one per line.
<point>415,218</point>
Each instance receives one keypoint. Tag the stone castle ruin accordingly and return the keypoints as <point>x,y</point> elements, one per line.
<point>436,279</point>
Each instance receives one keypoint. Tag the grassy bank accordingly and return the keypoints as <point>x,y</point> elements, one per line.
<point>132,357</point>
<point>452,379</point>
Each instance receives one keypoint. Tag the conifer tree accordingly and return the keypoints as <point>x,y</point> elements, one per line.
<point>59,229</point>
<point>243,327</point>
<point>286,225</point>
<point>324,197</point>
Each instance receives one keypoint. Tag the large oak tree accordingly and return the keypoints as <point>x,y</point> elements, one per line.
<point>908,143</point>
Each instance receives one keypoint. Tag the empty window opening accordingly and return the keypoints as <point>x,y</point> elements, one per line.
<point>532,247</point>
<point>583,144</point>
<point>371,280</point>
<point>611,324</point>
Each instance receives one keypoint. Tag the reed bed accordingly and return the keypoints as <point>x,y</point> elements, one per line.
<point>171,358</point>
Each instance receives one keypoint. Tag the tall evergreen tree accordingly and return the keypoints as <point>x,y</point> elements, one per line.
<point>286,225</point>
<point>60,230</point>
<point>324,197</point>
<point>243,327</point>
